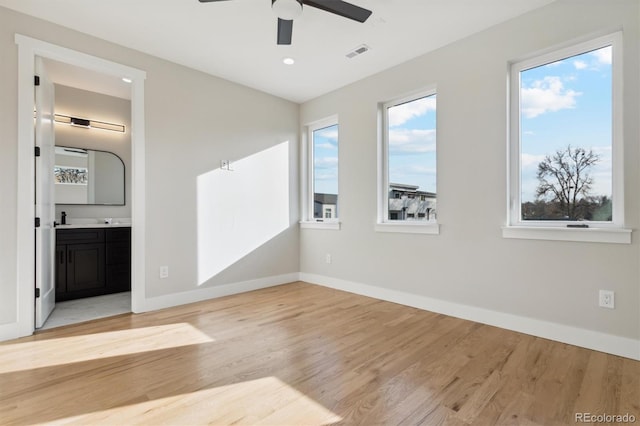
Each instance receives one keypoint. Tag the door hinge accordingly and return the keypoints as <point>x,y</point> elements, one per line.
<point>37,222</point>
<point>37,292</point>
<point>37,151</point>
<point>36,80</point>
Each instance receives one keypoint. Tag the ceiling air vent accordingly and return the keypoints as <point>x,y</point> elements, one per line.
<point>358,51</point>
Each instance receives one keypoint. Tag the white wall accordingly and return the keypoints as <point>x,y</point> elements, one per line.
<point>469,263</point>
<point>193,120</point>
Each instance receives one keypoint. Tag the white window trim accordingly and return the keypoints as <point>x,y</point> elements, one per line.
<point>307,190</point>
<point>408,227</point>
<point>383,224</point>
<point>606,232</point>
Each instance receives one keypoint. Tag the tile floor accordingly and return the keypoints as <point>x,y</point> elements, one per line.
<point>80,310</point>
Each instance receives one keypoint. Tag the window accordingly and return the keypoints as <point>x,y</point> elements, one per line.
<point>321,202</point>
<point>565,147</point>
<point>407,165</point>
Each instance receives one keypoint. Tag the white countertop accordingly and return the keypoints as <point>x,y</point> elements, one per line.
<point>93,225</point>
<point>92,222</point>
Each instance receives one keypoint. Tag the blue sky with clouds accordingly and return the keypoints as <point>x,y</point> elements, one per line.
<point>564,102</point>
<point>567,102</point>
<point>412,148</point>
<point>325,160</point>
<point>412,143</point>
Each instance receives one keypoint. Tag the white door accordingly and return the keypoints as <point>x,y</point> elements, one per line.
<point>45,204</point>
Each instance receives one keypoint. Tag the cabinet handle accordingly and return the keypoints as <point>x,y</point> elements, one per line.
<point>62,257</point>
<point>70,256</point>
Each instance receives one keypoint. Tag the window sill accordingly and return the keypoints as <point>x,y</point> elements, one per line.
<point>593,235</point>
<point>308,224</point>
<point>408,228</point>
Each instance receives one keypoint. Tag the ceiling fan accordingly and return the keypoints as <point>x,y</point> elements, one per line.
<point>287,10</point>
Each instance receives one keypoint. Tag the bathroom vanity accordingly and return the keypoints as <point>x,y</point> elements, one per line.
<point>92,260</point>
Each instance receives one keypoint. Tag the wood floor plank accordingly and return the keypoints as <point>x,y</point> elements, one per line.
<point>301,354</point>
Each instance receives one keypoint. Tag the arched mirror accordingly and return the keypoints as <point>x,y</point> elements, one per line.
<point>88,177</point>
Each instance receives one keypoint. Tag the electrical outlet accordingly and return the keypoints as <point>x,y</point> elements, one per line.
<point>607,299</point>
<point>164,272</point>
<point>327,258</point>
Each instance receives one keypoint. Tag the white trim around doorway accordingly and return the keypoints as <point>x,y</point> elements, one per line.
<point>28,49</point>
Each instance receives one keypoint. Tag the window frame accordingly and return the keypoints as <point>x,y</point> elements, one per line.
<point>383,223</point>
<point>308,173</point>
<point>595,231</point>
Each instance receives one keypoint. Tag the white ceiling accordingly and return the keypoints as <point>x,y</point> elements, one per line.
<point>81,78</point>
<point>236,39</point>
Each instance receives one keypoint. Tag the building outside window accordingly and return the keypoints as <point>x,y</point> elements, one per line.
<point>409,160</point>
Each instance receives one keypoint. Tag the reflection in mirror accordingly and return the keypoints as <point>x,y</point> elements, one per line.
<point>86,176</point>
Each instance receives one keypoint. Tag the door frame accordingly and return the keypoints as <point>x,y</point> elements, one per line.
<point>28,49</point>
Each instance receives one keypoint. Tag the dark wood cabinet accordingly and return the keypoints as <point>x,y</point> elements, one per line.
<point>92,262</point>
<point>85,267</point>
<point>118,259</point>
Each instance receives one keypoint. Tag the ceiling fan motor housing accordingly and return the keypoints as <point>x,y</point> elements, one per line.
<point>287,9</point>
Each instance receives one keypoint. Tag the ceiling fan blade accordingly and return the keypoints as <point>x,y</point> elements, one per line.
<point>285,30</point>
<point>341,8</point>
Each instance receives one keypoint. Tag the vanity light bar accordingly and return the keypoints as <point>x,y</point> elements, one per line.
<point>89,124</point>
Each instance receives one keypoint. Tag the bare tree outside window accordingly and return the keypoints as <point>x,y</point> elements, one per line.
<point>567,167</point>
<point>564,188</point>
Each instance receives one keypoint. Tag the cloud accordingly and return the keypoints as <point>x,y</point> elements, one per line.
<point>580,65</point>
<point>412,141</point>
<point>325,169</point>
<point>326,145</point>
<point>530,161</point>
<point>328,133</point>
<point>400,114</point>
<point>604,56</point>
<point>325,162</point>
<point>415,169</point>
<point>601,150</point>
<point>326,176</point>
<point>547,95</point>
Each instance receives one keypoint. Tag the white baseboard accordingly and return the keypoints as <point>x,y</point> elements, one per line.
<point>197,295</point>
<point>616,345</point>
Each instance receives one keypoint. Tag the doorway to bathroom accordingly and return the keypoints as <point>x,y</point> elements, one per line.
<point>78,75</point>
<point>90,186</point>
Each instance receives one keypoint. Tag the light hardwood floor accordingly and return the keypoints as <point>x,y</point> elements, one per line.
<point>300,354</point>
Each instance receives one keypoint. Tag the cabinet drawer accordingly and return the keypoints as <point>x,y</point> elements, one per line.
<point>79,236</point>
<point>118,235</point>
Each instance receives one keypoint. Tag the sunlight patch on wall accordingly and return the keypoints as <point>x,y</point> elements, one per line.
<point>241,209</point>
<point>68,350</point>
<point>263,401</point>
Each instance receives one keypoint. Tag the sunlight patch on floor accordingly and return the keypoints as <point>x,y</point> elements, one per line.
<point>68,350</point>
<point>265,401</point>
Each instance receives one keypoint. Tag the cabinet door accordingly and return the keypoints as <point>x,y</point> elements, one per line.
<point>85,266</point>
<point>61,270</point>
<point>118,259</point>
